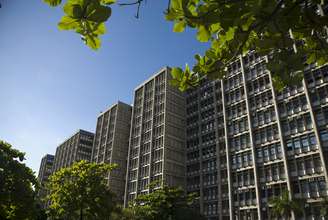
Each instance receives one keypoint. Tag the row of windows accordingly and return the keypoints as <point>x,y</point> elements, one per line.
<point>296,125</point>
<point>210,179</point>
<point>258,85</point>
<point>305,165</point>
<point>251,58</point>
<point>236,110</point>
<point>210,209</point>
<point>209,151</point>
<point>267,192</point>
<point>312,185</point>
<point>242,160</point>
<point>245,197</point>
<point>301,143</point>
<point>324,138</point>
<point>255,71</point>
<point>263,117</point>
<point>240,142</point>
<point>143,184</point>
<point>272,172</point>
<point>261,100</point>
<point>290,92</point>
<point>317,75</point>
<point>209,165</point>
<point>208,113</point>
<point>208,138</point>
<point>270,152</point>
<point>293,106</point>
<point>235,96</point>
<point>210,193</point>
<point>266,134</point>
<point>208,91</point>
<point>321,116</point>
<point>319,95</point>
<point>238,126</point>
<point>234,67</point>
<point>243,178</point>
<point>233,82</point>
<point>192,156</point>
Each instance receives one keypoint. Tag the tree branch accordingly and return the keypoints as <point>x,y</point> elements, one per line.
<point>138,3</point>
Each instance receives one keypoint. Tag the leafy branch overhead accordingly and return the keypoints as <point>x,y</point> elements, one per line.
<point>292,32</point>
<point>85,17</point>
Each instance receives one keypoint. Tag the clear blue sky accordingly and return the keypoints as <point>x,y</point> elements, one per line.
<point>52,84</point>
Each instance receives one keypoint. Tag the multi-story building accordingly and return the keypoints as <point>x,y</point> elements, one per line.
<point>44,172</point>
<point>247,143</point>
<point>75,148</point>
<point>45,168</point>
<point>157,138</point>
<point>111,144</point>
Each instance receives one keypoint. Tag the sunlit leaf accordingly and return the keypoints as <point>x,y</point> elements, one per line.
<point>53,2</point>
<point>68,23</point>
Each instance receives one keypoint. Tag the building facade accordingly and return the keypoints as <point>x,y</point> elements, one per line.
<point>45,168</point>
<point>44,172</point>
<point>75,148</point>
<point>157,137</point>
<point>247,142</point>
<point>111,144</point>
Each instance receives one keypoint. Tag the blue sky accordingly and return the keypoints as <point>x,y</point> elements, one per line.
<point>52,84</point>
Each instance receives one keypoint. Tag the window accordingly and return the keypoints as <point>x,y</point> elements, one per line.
<point>289,145</point>
<point>259,153</point>
<point>266,152</point>
<point>305,142</point>
<point>297,144</point>
<point>313,140</point>
<point>272,151</point>
<point>324,136</point>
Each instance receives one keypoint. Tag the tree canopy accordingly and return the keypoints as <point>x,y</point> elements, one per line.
<point>163,204</point>
<point>283,206</point>
<point>80,192</point>
<point>17,184</point>
<point>293,32</point>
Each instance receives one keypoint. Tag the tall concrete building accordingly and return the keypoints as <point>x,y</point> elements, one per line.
<point>44,172</point>
<point>75,148</point>
<point>111,144</point>
<point>247,142</point>
<point>157,138</point>
<point>45,168</point>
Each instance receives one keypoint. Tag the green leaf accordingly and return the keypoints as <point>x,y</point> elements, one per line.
<point>93,42</point>
<point>248,23</point>
<point>203,35</point>
<point>107,2</point>
<point>179,26</point>
<point>100,29</point>
<point>230,33</point>
<point>68,23</point>
<point>176,4</point>
<point>177,73</point>
<point>73,10</point>
<point>99,13</point>
<point>53,3</point>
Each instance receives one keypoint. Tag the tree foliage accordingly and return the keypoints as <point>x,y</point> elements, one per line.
<point>80,192</point>
<point>283,206</point>
<point>85,17</point>
<point>324,208</point>
<point>163,204</point>
<point>17,183</point>
<point>293,32</point>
